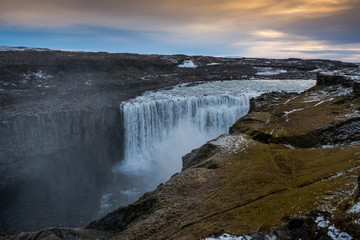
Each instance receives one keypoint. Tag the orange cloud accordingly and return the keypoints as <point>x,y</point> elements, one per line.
<point>220,22</point>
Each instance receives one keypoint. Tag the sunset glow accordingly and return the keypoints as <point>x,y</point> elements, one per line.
<point>257,28</point>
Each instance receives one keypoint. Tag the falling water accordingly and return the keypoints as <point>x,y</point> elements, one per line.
<point>160,127</point>
<point>150,127</point>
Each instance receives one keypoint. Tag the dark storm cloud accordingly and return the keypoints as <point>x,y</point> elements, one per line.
<point>340,28</point>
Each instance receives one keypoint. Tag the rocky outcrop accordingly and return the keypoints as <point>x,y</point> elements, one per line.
<point>356,88</point>
<point>199,155</point>
<point>331,79</point>
<point>264,189</point>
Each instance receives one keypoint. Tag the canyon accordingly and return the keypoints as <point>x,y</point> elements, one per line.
<point>63,140</point>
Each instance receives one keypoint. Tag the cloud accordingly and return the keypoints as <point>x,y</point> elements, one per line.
<point>262,25</point>
<point>340,51</point>
<point>161,13</point>
<point>268,33</point>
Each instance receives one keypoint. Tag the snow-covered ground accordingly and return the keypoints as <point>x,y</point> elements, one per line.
<point>268,71</point>
<point>286,114</point>
<point>317,70</point>
<point>188,64</point>
<point>333,232</point>
<point>352,74</point>
<point>5,48</point>
<point>227,236</point>
<point>231,143</point>
<point>355,208</point>
<point>37,75</point>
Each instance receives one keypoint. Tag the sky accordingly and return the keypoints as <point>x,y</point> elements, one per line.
<point>327,29</point>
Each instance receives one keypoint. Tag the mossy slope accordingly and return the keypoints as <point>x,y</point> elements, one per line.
<point>279,170</point>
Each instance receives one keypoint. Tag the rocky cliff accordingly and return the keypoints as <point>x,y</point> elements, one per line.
<point>289,169</point>
<point>61,132</point>
<point>275,175</point>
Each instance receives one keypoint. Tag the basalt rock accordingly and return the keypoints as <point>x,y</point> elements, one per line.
<point>356,88</point>
<point>331,79</point>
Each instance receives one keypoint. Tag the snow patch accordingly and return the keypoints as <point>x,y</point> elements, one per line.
<point>289,146</point>
<point>328,146</point>
<point>213,64</point>
<point>352,114</point>
<point>355,208</point>
<point>321,222</point>
<point>287,101</point>
<point>319,103</point>
<point>317,70</point>
<point>21,49</point>
<point>188,64</point>
<point>338,145</point>
<point>294,110</point>
<point>227,236</point>
<point>39,75</point>
<point>270,71</point>
<point>231,143</point>
<point>311,100</point>
<point>333,232</point>
<point>350,74</point>
<point>345,91</point>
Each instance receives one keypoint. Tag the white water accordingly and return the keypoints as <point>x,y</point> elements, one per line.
<point>159,131</point>
<point>160,127</point>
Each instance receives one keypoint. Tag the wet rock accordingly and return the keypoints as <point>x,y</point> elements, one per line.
<point>344,133</point>
<point>356,88</point>
<point>331,79</point>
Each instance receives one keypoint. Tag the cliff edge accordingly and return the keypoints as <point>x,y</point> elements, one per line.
<point>292,161</point>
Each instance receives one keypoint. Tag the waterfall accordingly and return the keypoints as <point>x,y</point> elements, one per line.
<point>160,127</point>
<point>160,131</point>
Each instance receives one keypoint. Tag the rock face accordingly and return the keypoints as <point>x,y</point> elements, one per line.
<point>330,79</point>
<point>61,132</point>
<point>241,184</point>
